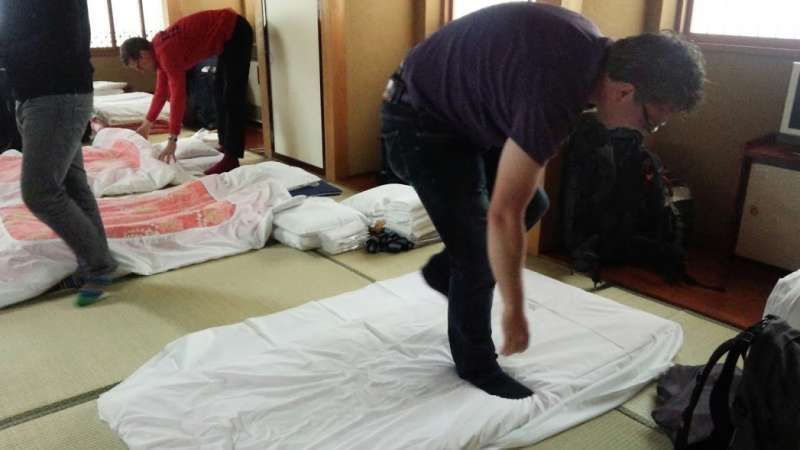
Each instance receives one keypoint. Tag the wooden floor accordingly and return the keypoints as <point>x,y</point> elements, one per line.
<point>735,290</point>
<point>254,139</point>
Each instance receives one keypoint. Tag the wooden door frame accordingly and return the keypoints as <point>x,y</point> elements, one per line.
<point>333,46</point>
<point>332,20</point>
<point>263,72</point>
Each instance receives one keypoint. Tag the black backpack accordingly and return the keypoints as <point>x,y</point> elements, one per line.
<point>9,135</point>
<point>719,407</point>
<point>201,106</point>
<point>616,207</point>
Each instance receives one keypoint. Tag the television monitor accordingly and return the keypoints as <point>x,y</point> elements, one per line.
<point>790,124</point>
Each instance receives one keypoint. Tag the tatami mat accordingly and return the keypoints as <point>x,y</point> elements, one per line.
<point>381,266</point>
<point>76,428</point>
<point>636,301</point>
<point>60,351</point>
<point>701,335</point>
<point>701,338</point>
<point>79,428</point>
<point>559,271</point>
<point>55,350</point>
<point>612,431</point>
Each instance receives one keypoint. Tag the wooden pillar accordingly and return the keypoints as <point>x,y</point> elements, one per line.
<point>334,87</point>
<point>256,9</point>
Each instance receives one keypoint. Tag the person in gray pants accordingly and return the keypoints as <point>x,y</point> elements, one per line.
<point>46,47</point>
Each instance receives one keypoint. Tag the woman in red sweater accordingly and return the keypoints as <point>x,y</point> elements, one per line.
<point>180,47</point>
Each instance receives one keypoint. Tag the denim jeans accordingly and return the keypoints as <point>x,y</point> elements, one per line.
<point>454,179</point>
<point>54,185</point>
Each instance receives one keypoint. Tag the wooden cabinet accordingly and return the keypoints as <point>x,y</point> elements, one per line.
<point>769,205</point>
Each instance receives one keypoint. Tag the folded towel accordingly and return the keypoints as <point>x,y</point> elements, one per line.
<point>373,202</point>
<point>346,238</point>
<point>290,239</point>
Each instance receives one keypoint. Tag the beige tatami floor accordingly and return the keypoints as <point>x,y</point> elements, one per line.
<point>57,358</point>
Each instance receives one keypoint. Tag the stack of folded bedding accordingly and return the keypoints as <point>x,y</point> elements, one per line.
<point>372,202</point>
<point>348,237</point>
<point>102,88</point>
<point>320,222</point>
<point>399,208</point>
<point>409,219</point>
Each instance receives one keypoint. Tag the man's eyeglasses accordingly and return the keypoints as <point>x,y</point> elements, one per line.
<point>650,127</point>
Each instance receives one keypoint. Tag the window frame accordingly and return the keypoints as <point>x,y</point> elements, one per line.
<point>749,44</point>
<point>447,8</point>
<point>114,49</point>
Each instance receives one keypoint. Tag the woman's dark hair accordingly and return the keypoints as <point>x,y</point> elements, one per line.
<point>130,49</point>
<point>664,68</point>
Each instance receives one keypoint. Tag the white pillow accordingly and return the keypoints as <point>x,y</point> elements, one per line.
<point>289,176</point>
<point>191,147</point>
<point>104,92</point>
<point>207,136</point>
<point>108,85</point>
<point>292,240</point>
<point>373,202</point>
<point>317,214</point>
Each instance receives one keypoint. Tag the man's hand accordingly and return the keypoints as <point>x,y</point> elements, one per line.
<point>168,154</point>
<point>515,331</point>
<point>144,129</point>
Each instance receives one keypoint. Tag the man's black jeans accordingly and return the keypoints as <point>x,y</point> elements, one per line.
<point>454,179</point>
<point>230,86</point>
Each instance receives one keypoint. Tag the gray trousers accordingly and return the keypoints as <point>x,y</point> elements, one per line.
<point>54,184</point>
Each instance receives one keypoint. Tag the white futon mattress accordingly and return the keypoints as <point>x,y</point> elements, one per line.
<point>371,369</point>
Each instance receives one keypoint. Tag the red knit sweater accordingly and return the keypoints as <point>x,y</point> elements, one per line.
<point>179,48</point>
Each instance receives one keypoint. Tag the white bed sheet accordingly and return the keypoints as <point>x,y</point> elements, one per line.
<point>126,108</point>
<point>371,369</point>
<point>784,301</point>
<point>215,216</point>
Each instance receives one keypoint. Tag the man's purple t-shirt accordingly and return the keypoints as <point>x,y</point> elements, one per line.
<point>518,70</point>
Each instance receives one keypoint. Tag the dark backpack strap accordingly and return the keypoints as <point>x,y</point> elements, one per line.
<point>721,394</point>
<point>682,440</point>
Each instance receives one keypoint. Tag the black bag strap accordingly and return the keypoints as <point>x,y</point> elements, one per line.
<point>736,348</point>
<point>682,440</point>
<point>720,395</point>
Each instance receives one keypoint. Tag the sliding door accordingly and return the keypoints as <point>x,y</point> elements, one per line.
<point>295,79</point>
